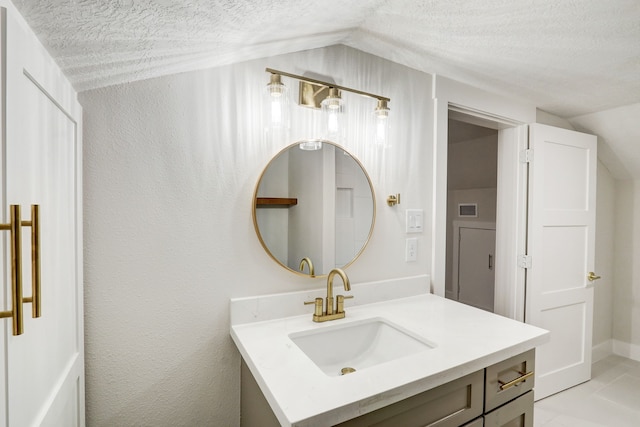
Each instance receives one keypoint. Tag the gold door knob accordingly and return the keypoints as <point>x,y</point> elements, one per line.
<point>593,276</point>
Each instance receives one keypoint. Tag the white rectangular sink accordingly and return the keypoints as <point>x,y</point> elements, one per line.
<point>350,347</point>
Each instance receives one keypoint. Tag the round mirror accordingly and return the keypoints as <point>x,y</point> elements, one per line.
<point>314,209</point>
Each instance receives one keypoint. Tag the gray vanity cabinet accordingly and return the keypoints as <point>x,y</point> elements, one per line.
<point>500,395</point>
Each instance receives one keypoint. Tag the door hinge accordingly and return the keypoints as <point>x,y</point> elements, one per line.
<point>526,156</point>
<point>524,261</point>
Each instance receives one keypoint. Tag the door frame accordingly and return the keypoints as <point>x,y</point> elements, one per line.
<point>511,119</point>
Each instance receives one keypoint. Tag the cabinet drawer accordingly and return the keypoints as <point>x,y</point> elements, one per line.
<point>448,405</point>
<point>517,413</point>
<point>509,379</point>
<point>478,422</point>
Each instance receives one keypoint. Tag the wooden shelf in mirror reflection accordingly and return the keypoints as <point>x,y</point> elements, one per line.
<point>275,202</point>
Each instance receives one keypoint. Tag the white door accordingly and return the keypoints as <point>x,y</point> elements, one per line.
<point>561,235</point>
<point>476,267</point>
<point>45,365</point>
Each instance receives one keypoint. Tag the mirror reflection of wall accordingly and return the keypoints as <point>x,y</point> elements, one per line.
<point>333,215</point>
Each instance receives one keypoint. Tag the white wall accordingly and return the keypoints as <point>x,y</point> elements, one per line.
<point>473,164</point>
<point>626,292</point>
<point>170,165</point>
<point>604,263</point>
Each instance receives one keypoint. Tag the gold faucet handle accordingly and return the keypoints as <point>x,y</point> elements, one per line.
<point>341,299</point>
<point>318,306</point>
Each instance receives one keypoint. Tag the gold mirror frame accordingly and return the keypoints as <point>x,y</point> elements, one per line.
<point>283,201</point>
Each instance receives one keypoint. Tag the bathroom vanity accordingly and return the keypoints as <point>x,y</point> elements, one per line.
<point>412,358</point>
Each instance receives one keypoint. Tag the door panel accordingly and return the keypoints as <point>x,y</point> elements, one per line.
<point>45,378</point>
<point>561,238</point>
<point>476,267</point>
<point>563,258</point>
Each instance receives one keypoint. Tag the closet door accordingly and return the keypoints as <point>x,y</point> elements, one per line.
<point>44,375</point>
<point>476,267</point>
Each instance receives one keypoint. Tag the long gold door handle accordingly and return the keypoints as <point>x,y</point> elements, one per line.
<point>16,270</point>
<point>593,276</point>
<point>34,299</point>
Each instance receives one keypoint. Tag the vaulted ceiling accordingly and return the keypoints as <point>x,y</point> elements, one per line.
<point>568,57</point>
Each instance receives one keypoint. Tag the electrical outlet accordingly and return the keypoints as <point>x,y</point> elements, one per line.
<point>411,252</point>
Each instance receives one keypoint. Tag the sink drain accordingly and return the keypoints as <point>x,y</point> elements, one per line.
<point>347,370</point>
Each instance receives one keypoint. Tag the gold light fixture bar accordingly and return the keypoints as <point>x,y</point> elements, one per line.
<point>321,83</point>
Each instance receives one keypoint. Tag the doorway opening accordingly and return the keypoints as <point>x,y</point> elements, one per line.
<point>510,175</point>
<point>472,182</point>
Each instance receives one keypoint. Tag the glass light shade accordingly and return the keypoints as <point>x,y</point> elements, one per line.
<point>381,124</point>
<point>332,112</point>
<point>277,104</point>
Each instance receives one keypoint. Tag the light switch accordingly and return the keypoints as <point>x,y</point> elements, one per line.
<point>414,220</point>
<point>411,253</point>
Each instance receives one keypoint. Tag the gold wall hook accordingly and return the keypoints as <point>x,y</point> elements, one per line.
<point>393,199</point>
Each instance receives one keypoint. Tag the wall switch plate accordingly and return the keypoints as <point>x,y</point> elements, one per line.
<point>411,253</point>
<point>415,220</point>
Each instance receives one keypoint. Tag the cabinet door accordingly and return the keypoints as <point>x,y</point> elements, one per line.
<point>44,366</point>
<point>517,413</point>
<point>478,422</point>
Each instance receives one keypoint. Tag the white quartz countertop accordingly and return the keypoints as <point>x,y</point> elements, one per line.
<point>300,394</point>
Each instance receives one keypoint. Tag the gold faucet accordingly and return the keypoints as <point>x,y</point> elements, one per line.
<point>322,315</point>
<point>307,260</point>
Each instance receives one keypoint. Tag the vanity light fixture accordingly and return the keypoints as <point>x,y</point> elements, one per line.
<point>327,96</point>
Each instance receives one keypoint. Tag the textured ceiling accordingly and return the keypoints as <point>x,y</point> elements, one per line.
<point>568,57</point>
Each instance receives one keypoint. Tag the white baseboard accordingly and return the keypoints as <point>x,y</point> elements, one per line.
<point>625,349</point>
<point>602,350</point>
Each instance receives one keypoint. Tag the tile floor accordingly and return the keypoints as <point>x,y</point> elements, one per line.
<point>610,399</point>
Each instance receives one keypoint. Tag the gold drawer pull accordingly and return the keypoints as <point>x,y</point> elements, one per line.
<point>504,386</point>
